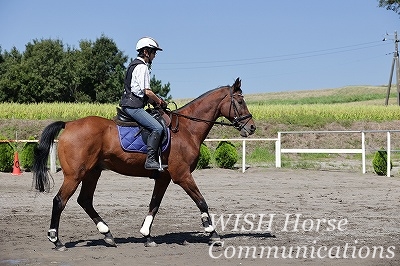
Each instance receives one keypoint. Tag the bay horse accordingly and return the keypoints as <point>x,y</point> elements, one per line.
<point>90,144</point>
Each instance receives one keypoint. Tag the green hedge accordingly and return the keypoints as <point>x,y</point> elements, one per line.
<point>226,155</point>
<point>6,157</point>
<point>204,157</point>
<point>27,155</point>
<point>380,163</point>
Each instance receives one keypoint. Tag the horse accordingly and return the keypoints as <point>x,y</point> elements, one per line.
<point>89,145</point>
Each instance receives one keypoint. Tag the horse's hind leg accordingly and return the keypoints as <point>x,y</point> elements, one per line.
<point>85,200</point>
<point>59,201</point>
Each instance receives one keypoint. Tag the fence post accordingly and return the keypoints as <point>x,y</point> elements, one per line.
<point>53,152</point>
<point>244,156</point>
<point>364,169</point>
<point>278,151</point>
<point>388,154</point>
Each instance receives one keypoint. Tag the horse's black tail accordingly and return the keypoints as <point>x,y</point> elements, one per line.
<point>41,155</point>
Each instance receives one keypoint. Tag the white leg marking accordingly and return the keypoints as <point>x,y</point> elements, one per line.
<point>209,228</point>
<point>102,227</point>
<point>52,235</point>
<point>145,230</point>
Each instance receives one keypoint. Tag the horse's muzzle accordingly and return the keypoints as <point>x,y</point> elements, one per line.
<point>247,130</point>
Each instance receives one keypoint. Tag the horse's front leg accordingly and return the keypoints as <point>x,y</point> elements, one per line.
<point>189,185</point>
<point>160,186</point>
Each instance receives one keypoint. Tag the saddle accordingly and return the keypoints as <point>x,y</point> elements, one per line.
<point>133,136</point>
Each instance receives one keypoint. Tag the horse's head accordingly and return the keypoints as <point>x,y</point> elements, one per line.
<point>234,108</point>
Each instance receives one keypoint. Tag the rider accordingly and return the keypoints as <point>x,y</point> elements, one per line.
<point>137,94</point>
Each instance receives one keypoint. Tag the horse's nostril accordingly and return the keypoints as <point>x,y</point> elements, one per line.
<point>253,128</point>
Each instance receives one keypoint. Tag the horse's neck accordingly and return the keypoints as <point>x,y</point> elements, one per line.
<point>204,108</point>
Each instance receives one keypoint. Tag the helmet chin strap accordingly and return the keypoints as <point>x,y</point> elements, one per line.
<point>149,61</point>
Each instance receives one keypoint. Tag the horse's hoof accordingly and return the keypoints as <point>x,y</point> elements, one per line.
<point>215,239</point>
<point>109,239</point>
<point>60,248</point>
<point>215,242</point>
<point>150,242</point>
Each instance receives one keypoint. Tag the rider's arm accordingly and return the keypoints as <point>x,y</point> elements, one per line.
<point>149,93</point>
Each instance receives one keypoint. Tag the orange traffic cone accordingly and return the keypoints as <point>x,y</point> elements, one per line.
<point>16,169</point>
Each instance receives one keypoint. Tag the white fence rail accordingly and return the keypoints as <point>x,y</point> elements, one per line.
<point>244,147</point>
<point>361,150</point>
<point>278,147</point>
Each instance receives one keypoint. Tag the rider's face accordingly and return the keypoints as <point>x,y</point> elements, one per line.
<point>151,54</point>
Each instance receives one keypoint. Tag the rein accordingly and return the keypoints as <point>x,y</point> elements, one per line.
<point>235,123</point>
<point>175,129</point>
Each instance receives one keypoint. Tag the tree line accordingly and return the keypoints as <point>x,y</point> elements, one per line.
<point>49,71</point>
<point>393,5</point>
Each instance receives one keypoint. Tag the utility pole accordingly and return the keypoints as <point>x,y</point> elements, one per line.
<point>394,62</point>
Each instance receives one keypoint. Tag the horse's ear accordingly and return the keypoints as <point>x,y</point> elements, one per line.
<point>237,84</point>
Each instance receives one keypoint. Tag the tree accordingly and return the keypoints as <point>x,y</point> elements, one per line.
<point>393,5</point>
<point>43,68</point>
<point>83,92</point>
<point>1,58</point>
<point>10,73</point>
<point>159,89</point>
<point>72,73</point>
<point>104,69</point>
<point>47,71</point>
<point>37,75</point>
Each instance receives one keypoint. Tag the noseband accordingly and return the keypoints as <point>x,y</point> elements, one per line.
<point>236,118</point>
<point>235,122</point>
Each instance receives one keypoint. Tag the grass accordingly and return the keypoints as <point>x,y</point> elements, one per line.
<point>63,111</point>
<point>306,108</point>
<point>311,109</point>
<point>349,94</point>
<point>316,115</point>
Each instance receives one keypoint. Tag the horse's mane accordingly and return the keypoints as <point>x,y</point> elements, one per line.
<point>202,96</point>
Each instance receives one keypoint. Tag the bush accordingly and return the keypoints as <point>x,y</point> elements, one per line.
<point>204,157</point>
<point>226,155</point>
<point>6,157</point>
<point>380,163</point>
<point>27,155</point>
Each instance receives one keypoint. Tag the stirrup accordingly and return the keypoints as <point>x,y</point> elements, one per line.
<point>155,165</point>
<point>161,166</point>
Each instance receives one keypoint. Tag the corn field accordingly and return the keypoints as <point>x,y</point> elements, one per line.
<point>293,114</point>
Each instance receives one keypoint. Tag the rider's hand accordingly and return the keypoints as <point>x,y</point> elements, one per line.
<point>163,104</point>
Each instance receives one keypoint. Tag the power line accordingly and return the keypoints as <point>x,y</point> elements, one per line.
<point>277,58</point>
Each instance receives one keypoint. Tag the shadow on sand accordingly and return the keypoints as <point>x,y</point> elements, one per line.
<point>181,238</point>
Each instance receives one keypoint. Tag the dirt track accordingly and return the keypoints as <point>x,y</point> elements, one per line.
<point>363,214</point>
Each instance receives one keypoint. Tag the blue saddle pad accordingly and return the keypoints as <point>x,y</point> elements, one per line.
<point>132,141</point>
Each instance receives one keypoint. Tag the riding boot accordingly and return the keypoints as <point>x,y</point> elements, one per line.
<point>152,162</point>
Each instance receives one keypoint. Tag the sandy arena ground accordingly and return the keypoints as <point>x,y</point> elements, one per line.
<point>361,212</point>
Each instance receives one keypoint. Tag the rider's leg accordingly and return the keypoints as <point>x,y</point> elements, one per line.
<point>148,121</point>
<point>153,142</point>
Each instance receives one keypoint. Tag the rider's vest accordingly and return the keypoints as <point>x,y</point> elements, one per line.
<point>128,98</point>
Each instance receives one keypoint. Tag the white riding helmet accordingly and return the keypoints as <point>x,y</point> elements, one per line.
<point>147,42</point>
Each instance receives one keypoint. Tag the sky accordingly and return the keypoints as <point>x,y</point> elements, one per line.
<point>271,45</point>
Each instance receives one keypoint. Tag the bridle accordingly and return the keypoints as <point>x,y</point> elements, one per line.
<point>234,123</point>
<point>236,118</point>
